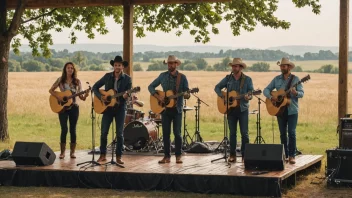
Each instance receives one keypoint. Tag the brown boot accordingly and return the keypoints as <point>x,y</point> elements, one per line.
<point>291,160</point>
<point>164,160</point>
<point>232,158</point>
<point>102,158</point>
<point>118,160</point>
<point>72,151</point>
<point>62,149</point>
<point>178,160</point>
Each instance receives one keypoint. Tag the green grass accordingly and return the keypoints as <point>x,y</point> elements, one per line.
<point>311,138</point>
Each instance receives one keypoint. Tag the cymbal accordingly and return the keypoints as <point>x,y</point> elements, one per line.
<point>185,108</point>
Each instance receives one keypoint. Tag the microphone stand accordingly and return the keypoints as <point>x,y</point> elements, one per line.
<point>225,141</point>
<point>259,139</point>
<point>92,162</point>
<point>197,136</point>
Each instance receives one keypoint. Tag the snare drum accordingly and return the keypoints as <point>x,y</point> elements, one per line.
<point>130,115</point>
<point>139,115</point>
<point>155,117</point>
<point>140,133</point>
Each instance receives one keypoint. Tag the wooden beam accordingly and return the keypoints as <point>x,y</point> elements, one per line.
<point>149,2</point>
<point>343,58</point>
<point>128,37</point>
<point>33,4</point>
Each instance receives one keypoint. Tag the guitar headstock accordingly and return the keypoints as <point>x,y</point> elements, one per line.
<point>194,90</point>
<point>256,92</point>
<point>135,89</point>
<point>305,79</point>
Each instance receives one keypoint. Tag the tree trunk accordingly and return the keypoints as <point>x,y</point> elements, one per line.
<point>4,55</point>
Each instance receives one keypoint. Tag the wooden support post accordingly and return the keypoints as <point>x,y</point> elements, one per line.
<point>343,59</point>
<point>128,36</point>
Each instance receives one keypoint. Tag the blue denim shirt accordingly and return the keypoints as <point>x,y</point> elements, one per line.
<point>234,85</point>
<point>109,80</point>
<point>168,82</point>
<point>280,83</point>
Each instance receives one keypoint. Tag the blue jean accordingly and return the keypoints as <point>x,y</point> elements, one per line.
<point>235,115</point>
<point>168,116</point>
<point>119,115</point>
<point>287,124</point>
<point>72,116</point>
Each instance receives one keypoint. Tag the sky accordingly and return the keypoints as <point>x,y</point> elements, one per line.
<point>306,29</point>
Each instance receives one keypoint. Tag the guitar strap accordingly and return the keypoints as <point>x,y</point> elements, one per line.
<point>289,84</point>
<point>178,81</point>
<point>243,77</point>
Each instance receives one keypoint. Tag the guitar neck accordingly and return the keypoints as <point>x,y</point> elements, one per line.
<point>177,95</point>
<point>77,94</point>
<point>121,93</point>
<point>295,85</point>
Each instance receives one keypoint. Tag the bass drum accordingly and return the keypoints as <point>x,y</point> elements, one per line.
<point>139,133</point>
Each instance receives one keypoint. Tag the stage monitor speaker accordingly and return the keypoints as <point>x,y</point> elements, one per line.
<point>264,157</point>
<point>338,167</point>
<point>33,154</point>
<point>345,133</point>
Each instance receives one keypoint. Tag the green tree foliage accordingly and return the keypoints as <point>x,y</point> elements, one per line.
<point>14,66</point>
<point>137,67</point>
<point>223,65</point>
<point>327,69</point>
<point>190,67</point>
<point>260,67</point>
<point>201,63</point>
<point>297,69</point>
<point>156,66</point>
<point>33,66</point>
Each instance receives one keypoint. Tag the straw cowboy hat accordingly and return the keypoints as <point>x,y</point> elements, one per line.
<point>286,61</point>
<point>238,61</point>
<point>172,58</point>
<point>118,59</point>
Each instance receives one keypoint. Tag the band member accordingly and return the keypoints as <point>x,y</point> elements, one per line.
<point>120,82</point>
<point>242,84</point>
<point>68,81</point>
<point>168,81</point>
<point>288,119</point>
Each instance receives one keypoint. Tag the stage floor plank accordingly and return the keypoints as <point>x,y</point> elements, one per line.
<point>193,165</point>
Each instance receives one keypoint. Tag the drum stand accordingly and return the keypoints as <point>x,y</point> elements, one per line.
<point>259,139</point>
<point>186,135</point>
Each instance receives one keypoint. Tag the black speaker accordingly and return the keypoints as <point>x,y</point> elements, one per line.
<point>338,166</point>
<point>345,133</point>
<point>264,157</point>
<point>33,153</point>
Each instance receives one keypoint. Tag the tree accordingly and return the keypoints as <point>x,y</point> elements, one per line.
<point>201,63</point>
<point>137,67</point>
<point>35,25</point>
<point>260,67</point>
<point>33,66</point>
<point>297,69</point>
<point>190,67</point>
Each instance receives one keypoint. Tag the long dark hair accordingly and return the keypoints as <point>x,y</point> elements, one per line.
<point>74,74</point>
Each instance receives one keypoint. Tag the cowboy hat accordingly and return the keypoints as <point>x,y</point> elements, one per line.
<point>172,58</point>
<point>118,59</point>
<point>286,61</point>
<point>238,61</point>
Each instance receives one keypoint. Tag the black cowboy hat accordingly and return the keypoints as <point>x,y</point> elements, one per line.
<point>118,59</point>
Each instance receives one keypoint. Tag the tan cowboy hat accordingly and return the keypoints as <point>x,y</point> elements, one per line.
<point>172,58</point>
<point>238,61</point>
<point>286,61</point>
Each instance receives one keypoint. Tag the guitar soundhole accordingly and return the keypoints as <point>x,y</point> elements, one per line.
<point>166,101</point>
<point>279,99</point>
<point>108,99</point>
<point>64,99</point>
<point>231,100</point>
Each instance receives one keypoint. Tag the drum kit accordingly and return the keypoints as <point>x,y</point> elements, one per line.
<point>143,133</point>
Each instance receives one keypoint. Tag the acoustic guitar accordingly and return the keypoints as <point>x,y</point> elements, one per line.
<point>234,98</point>
<point>66,100</point>
<point>279,106</point>
<point>169,100</point>
<point>111,99</point>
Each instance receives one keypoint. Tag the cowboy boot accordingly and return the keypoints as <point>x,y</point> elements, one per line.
<point>118,160</point>
<point>72,151</point>
<point>102,158</point>
<point>62,149</point>
<point>178,159</point>
<point>291,160</point>
<point>232,158</point>
<point>164,160</point>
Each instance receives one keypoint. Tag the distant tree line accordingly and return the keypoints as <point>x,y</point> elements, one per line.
<point>89,61</point>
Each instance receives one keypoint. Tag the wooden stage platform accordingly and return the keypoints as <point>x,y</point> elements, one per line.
<point>142,172</point>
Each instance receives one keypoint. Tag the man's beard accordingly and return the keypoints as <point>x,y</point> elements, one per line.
<point>172,69</point>
<point>284,71</point>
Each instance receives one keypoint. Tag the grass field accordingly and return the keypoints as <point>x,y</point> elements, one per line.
<point>305,65</point>
<point>30,117</point>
